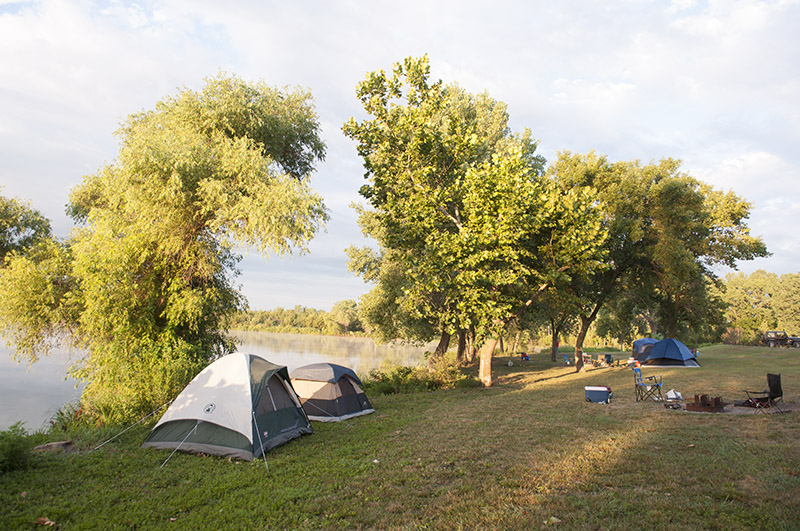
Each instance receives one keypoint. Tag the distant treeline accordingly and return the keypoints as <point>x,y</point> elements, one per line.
<point>752,304</point>
<point>341,320</point>
<point>759,302</point>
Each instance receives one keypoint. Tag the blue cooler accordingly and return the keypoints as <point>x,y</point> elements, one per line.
<point>598,393</point>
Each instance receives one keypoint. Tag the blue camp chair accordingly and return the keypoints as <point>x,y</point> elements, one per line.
<point>566,359</point>
<point>647,386</point>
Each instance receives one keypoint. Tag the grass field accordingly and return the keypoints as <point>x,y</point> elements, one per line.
<point>526,451</point>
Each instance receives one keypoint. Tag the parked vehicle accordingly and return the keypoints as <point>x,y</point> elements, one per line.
<point>779,338</point>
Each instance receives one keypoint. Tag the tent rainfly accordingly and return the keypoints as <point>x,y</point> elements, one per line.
<point>671,352</point>
<point>330,392</point>
<point>239,406</point>
<point>642,348</point>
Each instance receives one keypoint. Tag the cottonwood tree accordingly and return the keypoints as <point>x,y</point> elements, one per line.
<point>622,192</point>
<point>667,232</point>
<point>143,285</point>
<point>558,308</point>
<point>466,225</point>
<point>696,228</point>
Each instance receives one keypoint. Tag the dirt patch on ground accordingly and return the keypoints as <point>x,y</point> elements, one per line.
<point>788,407</point>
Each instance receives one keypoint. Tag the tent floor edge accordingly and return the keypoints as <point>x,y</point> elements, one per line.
<point>342,417</point>
<point>197,448</point>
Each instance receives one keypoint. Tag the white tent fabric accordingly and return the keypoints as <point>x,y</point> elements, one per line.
<point>240,406</point>
<point>220,393</point>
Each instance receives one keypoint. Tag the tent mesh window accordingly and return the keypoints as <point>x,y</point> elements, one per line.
<point>348,402</point>
<point>277,415</point>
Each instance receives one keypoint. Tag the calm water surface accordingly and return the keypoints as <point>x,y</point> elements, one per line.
<point>359,353</point>
<point>34,395</point>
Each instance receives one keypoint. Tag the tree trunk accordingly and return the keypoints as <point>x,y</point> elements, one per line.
<point>672,317</point>
<point>485,370</point>
<point>461,353</point>
<point>554,340</point>
<point>516,340</point>
<point>438,354</point>
<point>471,350</point>
<point>502,346</point>
<point>652,322</point>
<point>586,322</point>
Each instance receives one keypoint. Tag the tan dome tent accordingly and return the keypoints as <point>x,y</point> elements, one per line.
<point>330,392</point>
<point>239,406</point>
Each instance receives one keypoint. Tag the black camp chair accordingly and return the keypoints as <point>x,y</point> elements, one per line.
<point>647,386</point>
<point>772,397</point>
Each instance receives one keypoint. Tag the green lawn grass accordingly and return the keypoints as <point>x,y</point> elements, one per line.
<point>508,457</point>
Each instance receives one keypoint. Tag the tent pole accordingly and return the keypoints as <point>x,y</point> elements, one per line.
<point>329,414</point>
<point>193,430</point>
<point>129,427</point>
<point>258,432</point>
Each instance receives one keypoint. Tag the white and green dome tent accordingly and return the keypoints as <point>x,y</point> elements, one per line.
<point>239,406</point>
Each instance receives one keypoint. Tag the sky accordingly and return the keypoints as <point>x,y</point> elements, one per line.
<point>715,84</point>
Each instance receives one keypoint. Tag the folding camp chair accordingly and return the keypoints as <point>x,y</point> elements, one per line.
<point>647,386</point>
<point>772,397</point>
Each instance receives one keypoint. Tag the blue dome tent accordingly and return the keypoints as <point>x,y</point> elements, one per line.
<point>642,348</point>
<point>671,352</point>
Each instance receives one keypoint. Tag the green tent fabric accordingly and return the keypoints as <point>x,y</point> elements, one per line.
<point>239,406</point>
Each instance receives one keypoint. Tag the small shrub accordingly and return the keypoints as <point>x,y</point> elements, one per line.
<point>402,380</point>
<point>70,417</point>
<point>15,449</point>
<point>123,386</point>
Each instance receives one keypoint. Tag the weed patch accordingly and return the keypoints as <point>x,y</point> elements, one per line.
<point>15,449</point>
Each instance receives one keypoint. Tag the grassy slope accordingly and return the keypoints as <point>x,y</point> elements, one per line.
<point>507,457</point>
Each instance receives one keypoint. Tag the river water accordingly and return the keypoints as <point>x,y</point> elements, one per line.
<point>33,395</point>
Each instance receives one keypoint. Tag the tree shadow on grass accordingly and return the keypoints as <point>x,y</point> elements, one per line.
<point>557,376</point>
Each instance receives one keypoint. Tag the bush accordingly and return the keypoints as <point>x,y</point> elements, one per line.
<point>123,386</point>
<point>15,449</point>
<point>70,417</point>
<point>402,380</point>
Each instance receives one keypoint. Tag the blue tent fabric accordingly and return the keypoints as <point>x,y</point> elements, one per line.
<point>671,352</point>
<point>642,347</point>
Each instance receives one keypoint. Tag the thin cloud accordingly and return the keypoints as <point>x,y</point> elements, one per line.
<point>713,83</point>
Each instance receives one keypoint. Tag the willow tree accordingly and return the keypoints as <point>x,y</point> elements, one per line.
<point>468,229</point>
<point>21,226</point>
<point>144,284</point>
